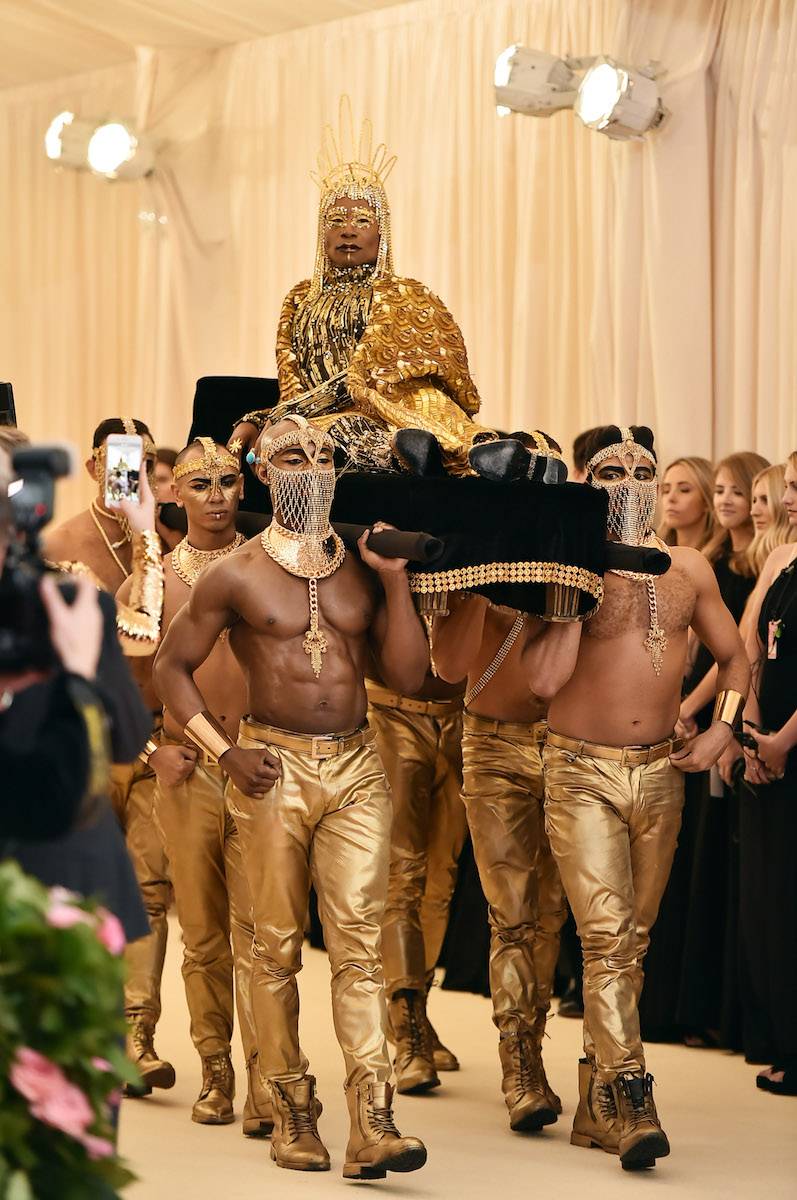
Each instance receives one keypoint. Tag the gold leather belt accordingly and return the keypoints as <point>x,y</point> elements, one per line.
<point>472,723</point>
<point>626,756</point>
<point>424,708</point>
<point>323,745</point>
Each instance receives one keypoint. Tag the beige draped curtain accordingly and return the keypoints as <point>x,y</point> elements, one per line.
<point>594,281</point>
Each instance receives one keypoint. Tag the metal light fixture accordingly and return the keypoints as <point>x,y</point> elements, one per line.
<point>533,82</point>
<point>619,101</point>
<point>108,148</point>
<point>622,102</point>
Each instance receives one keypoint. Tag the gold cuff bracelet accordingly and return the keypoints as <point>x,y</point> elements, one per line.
<point>728,707</point>
<point>206,733</point>
<point>148,751</point>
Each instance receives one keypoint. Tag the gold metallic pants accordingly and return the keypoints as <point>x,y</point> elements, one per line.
<point>422,758</point>
<point>132,795</point>
<point>613,831</point>
<point>503,793</point>
<point>326,822</point>
<point>212,899</point>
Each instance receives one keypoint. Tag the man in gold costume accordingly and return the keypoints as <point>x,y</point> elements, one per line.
<point>419,741</point>
<point>373,357</point>
<point>306,788</point>
<point>614,785</point>
<point>102,543</point>
<point>498,649</point>
<point>199,835</point>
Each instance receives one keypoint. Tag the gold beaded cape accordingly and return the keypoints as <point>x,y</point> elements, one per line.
<point>407,369</point>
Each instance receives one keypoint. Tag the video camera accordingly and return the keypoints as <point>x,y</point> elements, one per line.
<point>24,626</point>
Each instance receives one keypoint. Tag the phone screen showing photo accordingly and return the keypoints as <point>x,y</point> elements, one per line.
<point>123,454</point>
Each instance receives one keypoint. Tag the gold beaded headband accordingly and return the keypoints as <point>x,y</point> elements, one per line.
<point>215,462</point>
<point>148,448</point>
<point>626,446</point>
<point>309,439</point>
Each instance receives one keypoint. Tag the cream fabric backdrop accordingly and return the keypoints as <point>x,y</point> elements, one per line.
<point>593,280</point>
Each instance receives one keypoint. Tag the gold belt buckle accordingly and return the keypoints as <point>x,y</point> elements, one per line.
<point>322,747</point>
<point>634,756</point>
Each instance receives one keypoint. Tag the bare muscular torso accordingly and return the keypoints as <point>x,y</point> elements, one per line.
<point>614,696</point>
<point>507,696</point>
<point>271,616</point>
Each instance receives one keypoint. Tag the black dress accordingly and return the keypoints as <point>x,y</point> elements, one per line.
<point>691,966</point>
<point>768,837</point>
<point>91,861</point>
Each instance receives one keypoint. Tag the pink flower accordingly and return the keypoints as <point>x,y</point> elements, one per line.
<point>101,1064</point>
<point>110,932</point>
<point>114,1098</point>
<point>62,915</point>
<point>51,1097</point>
<point>97,1147</point>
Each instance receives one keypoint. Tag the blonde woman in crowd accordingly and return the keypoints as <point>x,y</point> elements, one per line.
<point>770,518</point>
<point>708,1003</point>
<point>687,503</point>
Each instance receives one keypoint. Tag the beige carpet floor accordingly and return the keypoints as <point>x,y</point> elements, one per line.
<point>728,1139</point>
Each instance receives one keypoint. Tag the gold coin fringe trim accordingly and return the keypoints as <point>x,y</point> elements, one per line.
<point>462,578</point>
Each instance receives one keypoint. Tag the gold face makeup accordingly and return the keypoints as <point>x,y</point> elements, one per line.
<point>359,217</point>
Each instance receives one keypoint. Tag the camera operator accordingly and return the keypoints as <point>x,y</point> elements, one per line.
<point>68,705</point>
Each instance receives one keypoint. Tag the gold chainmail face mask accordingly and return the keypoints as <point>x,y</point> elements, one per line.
<point>300,537</point>
<point>632,501</point>
<point>632,504</point>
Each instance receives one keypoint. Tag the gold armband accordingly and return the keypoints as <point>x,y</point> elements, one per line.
<point>139,622</point>
<point>728,707</point>
<point>206,733</point>
<point>148,751</point>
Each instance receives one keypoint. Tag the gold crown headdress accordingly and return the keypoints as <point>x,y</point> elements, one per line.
<point>215,462</point>
<point>351,166</point>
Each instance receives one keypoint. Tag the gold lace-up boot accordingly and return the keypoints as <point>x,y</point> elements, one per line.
<point>641,1138</point>
<point>443,1059</point>
<point>409,1032</point>
<point>213,1105</point>
<point>295,1143</point>
<point>258,1119</point>
<point>595,1122</point>
<point>375,1145</point>
<point>540,1019</point>
<point>155,1072</point>
<point>523,1083</point>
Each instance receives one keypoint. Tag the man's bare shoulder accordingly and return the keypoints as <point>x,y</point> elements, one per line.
<point>58,541</point>
<point>693,563</point>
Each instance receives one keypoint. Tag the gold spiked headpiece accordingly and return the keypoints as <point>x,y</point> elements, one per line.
<point>349,165</point>
<point>215,462</point>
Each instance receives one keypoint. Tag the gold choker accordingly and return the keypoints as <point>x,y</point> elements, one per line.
<point>188,563</point>
<point>299,554</point>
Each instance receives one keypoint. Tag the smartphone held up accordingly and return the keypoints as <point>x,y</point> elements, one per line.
<point>124,453</point>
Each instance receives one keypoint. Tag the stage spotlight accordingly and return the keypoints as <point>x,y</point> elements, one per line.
<point>115,152</point>
<point>619,101</point>
<point>533,82</point>
<point>66,140</point>
<point>108,148</point>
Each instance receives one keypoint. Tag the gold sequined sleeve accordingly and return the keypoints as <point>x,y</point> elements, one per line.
<point>139,622</point>
<point>411,336</point>
<point>290,382</point>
